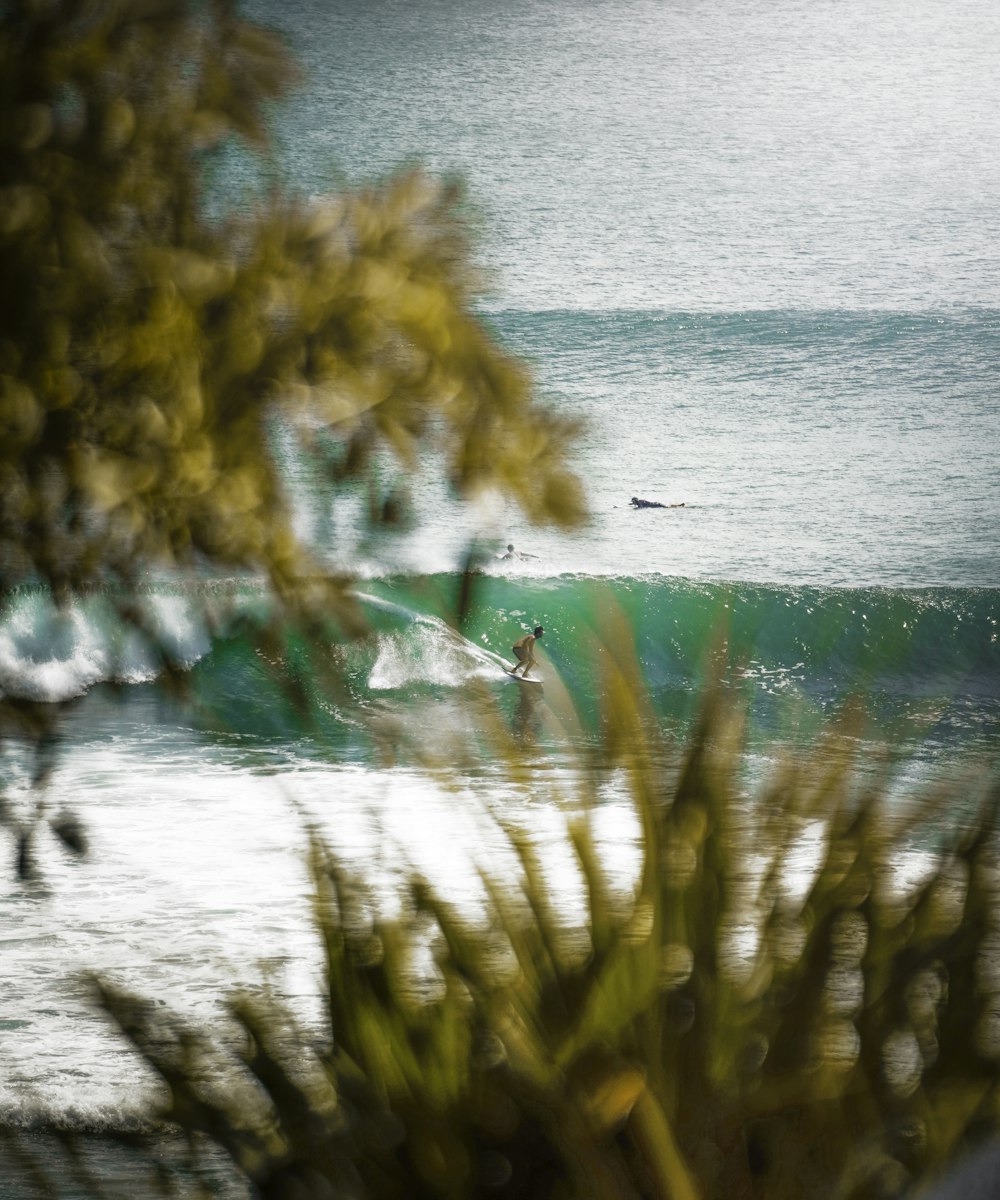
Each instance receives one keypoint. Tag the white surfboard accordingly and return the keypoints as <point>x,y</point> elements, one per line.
<point>521,679</point>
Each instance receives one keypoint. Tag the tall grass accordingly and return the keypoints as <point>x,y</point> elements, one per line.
<point>799,997</point>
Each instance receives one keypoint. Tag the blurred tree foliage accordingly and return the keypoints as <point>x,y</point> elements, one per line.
<point>146,344</point>
<point>151,344</point>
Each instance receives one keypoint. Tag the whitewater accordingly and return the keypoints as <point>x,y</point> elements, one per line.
<point>753,247</point>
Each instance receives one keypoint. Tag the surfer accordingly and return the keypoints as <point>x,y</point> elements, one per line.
<point>524,651</point>
<point>637,503</point>
<point>512,553</point>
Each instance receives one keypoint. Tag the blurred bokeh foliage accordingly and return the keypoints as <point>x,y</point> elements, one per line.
<point>149,339</point>
<point>798,996</point>
<point>158,335</point>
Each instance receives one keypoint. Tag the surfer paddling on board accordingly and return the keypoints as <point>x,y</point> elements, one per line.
<point>512,554</point>
<point>524,652</point>
<point>637,503</point>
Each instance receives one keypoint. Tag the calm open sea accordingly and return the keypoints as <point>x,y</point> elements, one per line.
<point>754,243</point>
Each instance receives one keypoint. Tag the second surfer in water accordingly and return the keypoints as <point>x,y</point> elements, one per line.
<point>524,651</point>
<point>637,503</point>
<point>513,554</point>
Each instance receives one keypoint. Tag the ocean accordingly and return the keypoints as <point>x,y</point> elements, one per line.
<point>753,246</point>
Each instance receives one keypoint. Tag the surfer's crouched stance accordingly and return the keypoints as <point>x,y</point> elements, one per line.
<point>524,651</point>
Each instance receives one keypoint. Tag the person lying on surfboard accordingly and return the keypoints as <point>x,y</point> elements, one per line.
<point>524,652</point>
<point>637,503</point>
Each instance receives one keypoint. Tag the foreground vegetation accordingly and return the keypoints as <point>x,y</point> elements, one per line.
<point>797,997</point>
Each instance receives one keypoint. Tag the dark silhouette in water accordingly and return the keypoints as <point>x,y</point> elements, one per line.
<point>637,503</point>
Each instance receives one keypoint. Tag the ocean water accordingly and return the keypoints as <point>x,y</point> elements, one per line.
<point>754,245</point>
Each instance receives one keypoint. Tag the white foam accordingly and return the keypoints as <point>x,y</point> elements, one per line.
<point>427,652</point>
<point>51,654</point>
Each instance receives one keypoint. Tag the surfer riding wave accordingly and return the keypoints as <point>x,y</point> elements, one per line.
<point>524,652</point>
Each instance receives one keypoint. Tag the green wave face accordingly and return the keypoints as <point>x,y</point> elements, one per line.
<point>926,663</point>
<point>845,638</point>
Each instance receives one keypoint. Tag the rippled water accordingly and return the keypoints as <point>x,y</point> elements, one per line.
<point>631,154</point>
<point>835,448</point>
<point>754,243</point>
